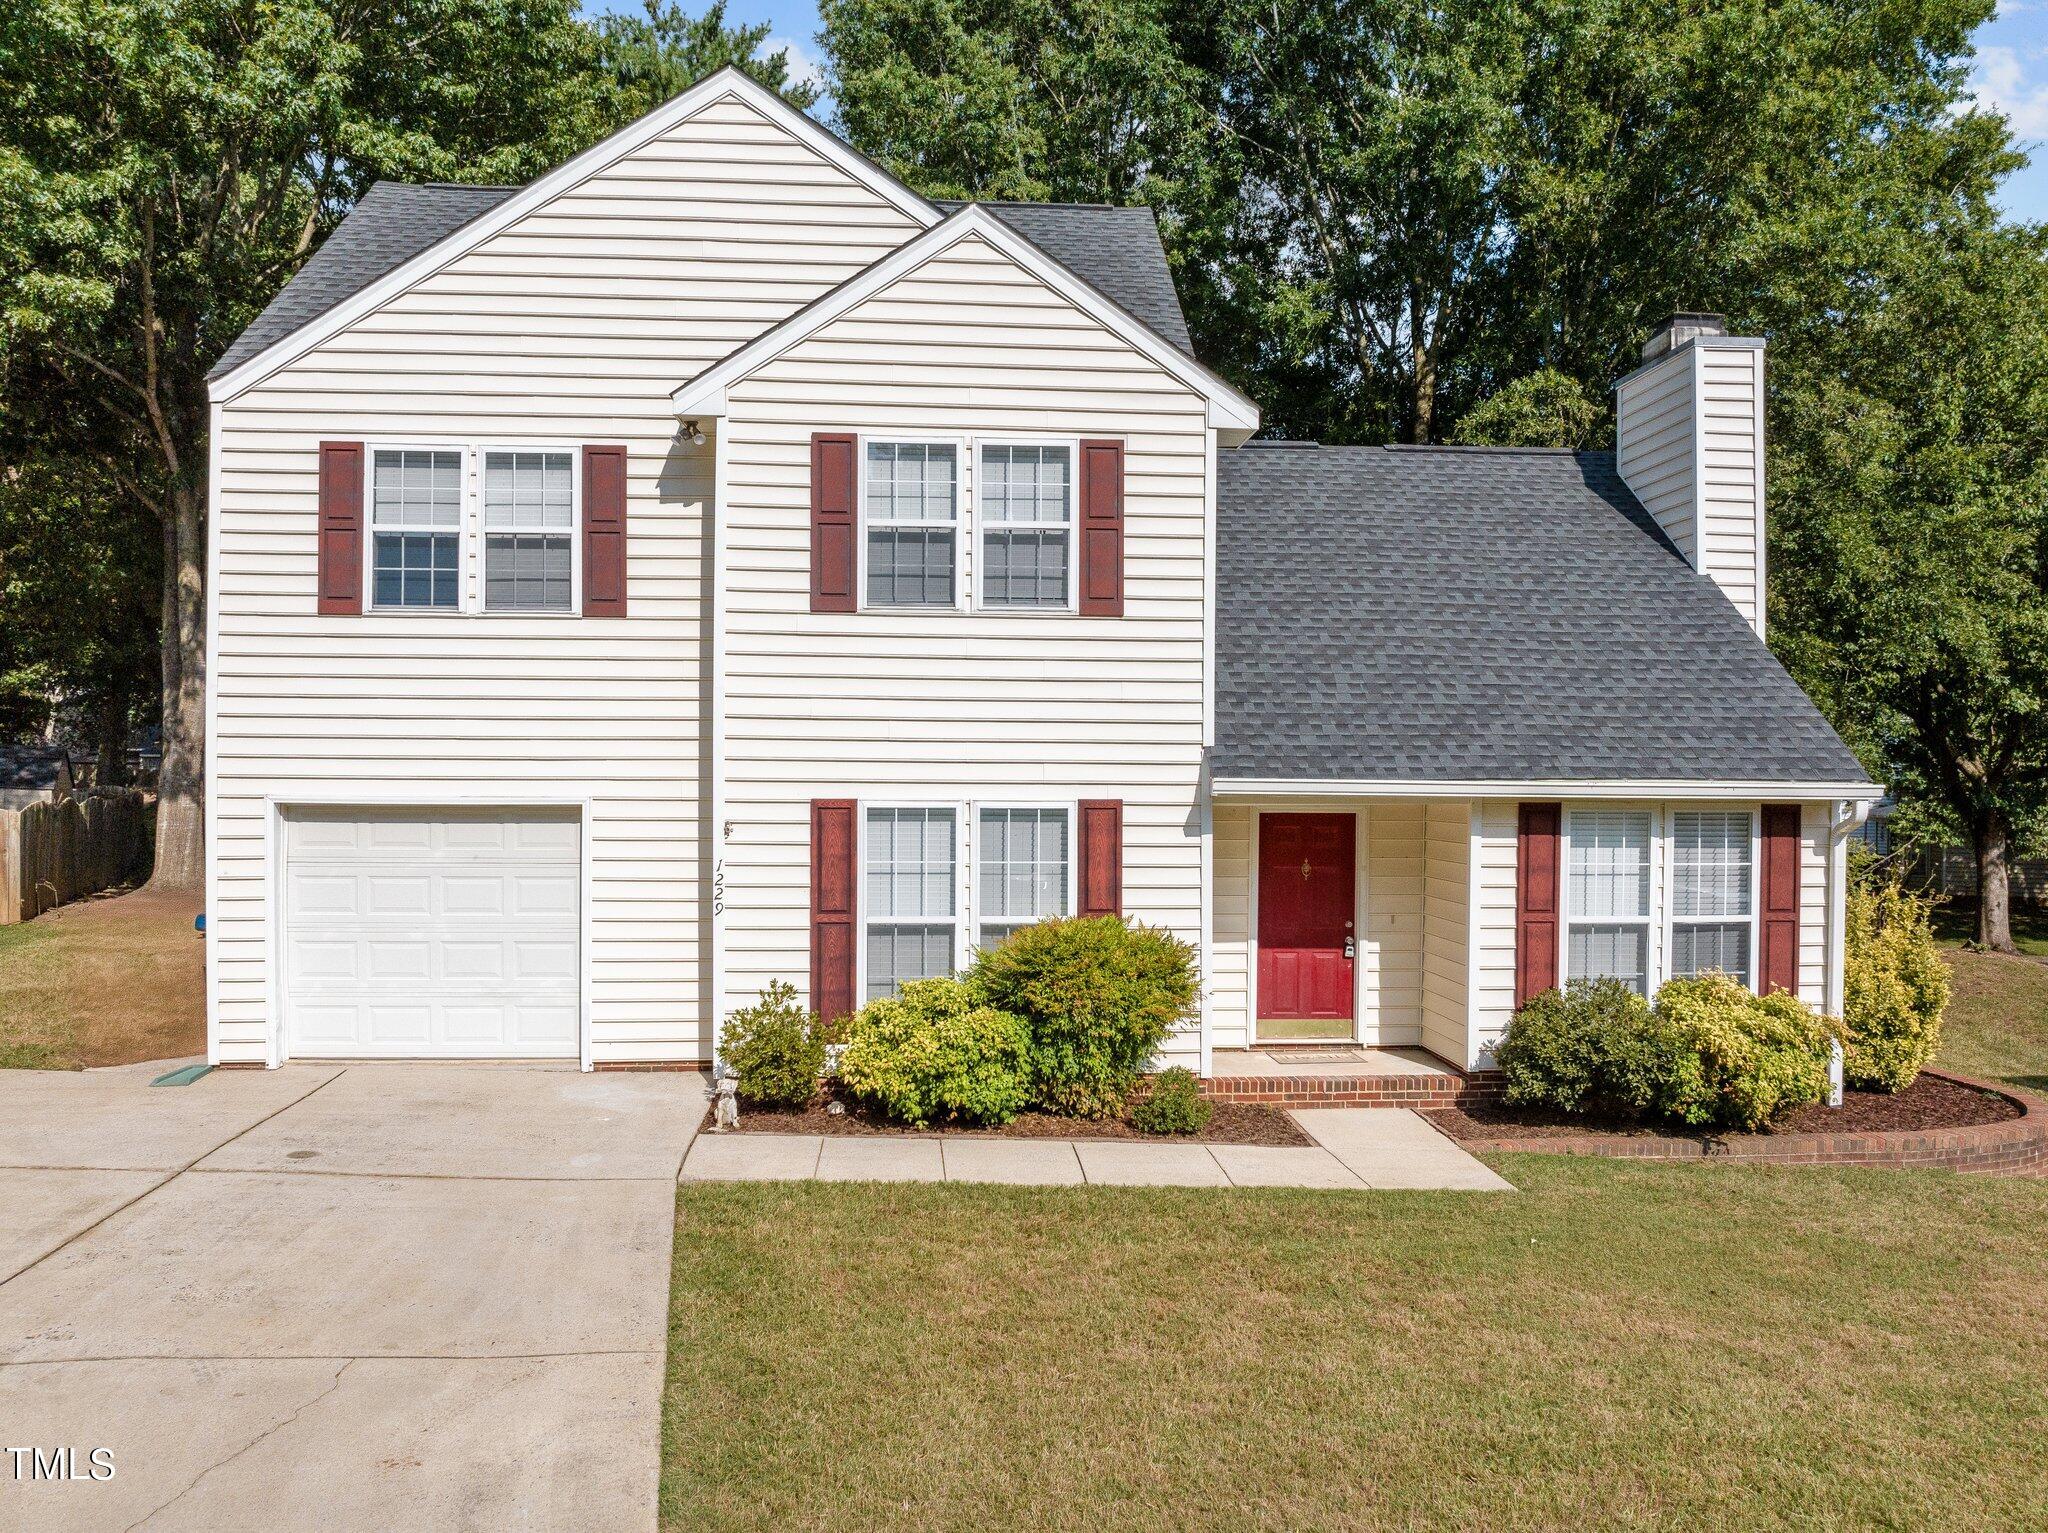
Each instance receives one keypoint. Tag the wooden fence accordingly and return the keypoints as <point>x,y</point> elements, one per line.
<point>52,854</point>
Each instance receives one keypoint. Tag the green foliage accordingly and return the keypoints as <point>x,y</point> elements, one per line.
<point>1595,1048</point>
<point>665,50</point>
<point>936,1052</point>
<point>1100,993</point>
<point>775,1048</point>
<point>1708,1053</point>
<point>1758,1056</point>
<point>1545,408</point>
<point>1895,987</point>
<point>1175,1104</point>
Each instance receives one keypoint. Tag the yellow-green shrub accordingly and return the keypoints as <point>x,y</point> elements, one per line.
<point>1894,987</point>
<point>935,1051</point>
<point>1759,1056</point>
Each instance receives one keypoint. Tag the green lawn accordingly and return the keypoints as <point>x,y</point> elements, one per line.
<point>1617,1346</point>
<point>1955,922</point>
<point>103,982</point>
<point>1997,1023</point>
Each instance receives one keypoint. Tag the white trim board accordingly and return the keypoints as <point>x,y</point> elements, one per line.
<point>1643,788</point>
<point>1229,411</point>
<point>714,87</point>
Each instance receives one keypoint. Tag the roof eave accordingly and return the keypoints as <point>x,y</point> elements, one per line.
<point>1557,788</point>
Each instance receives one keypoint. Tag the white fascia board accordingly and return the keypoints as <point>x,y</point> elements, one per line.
<point>1228,410</point>
<point>1576,788</point>
<point>719,85</point>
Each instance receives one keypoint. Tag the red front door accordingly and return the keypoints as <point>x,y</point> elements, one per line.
<point>1308,884</point>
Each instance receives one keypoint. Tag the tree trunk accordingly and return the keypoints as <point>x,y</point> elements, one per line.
<point>181,800</point>
<point>1993,839</point>
<point>1423,399</point>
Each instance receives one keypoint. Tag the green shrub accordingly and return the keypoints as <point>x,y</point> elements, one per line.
<point>775,1049</point>
<point>1758,1057</point>
<point>935,1051</point>
<point>1595,1047</point>
<point>1894,987</point>
<point>1101,995</point>
<point>1175,1105</point>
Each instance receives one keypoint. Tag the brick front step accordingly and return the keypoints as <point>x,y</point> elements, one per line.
<point>1338,1090</point>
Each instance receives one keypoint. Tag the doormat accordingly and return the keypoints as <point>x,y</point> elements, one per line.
<point>1315,1056</point>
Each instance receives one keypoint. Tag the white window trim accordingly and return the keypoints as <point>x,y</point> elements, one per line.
<point>470,584</point>
<point>1672,919</point>
<point>1072,526</point>
<point>963,458</point>
<point>1655,954</point>
<point>483,585</point>
<point>966,873</point>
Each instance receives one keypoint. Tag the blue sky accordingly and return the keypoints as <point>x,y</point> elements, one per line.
<point>2011,74</point>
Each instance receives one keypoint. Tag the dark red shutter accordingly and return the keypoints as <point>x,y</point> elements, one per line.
<point>1536,899</point>
<point>604,532</point>
<point>832,490</point>
<point>832,907</point>
<point>1778,966</point>
<point>1102,857</point>
<point>341,527</point>
<point>1102,529</point>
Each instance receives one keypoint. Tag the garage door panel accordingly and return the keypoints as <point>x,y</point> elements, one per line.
<point>412,934</point>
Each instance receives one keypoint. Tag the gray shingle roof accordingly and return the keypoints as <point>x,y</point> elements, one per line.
<point>1476,614</point>
<point>32,766</point>
<point>392,223</point>
<point>1116,249</point>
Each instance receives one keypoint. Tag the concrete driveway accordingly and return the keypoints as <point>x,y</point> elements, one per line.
<point>380,1296</point>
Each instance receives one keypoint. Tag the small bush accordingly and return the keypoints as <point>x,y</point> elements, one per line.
<point>1100,994</point>
<point>935,1051</point>
<point>775,1049</point>
<point>1175,1105</point>
<point>1894,987</point>
<point>1758,1056</point>
<point>1596,1047</point>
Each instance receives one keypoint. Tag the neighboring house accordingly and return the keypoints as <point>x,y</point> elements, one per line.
<point>33,774</point>
<point>713,563</point>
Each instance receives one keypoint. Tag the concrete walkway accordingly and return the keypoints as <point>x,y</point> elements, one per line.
<point>1356,1148</point>
<point>386,1296</point>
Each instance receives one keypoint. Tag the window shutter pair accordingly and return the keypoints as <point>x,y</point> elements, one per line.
<point>342,471</point>
<point>835,488</point>
<point>1538,885</point>
<point>835,884</point>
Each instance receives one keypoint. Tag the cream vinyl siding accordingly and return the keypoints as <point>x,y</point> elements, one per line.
<point>570,326</point>
<point>1396,888</point>
<point>1689,443</point>
<point>978,705</point>
<point>1229,975</point>
<point>1446,904</point>
<point>1493,927</point>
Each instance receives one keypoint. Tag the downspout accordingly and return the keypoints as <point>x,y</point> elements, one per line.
<point>1847,819</point>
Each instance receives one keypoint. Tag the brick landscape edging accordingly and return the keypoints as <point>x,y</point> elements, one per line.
<point>1422,1092</point>
<point>2013,1147</point>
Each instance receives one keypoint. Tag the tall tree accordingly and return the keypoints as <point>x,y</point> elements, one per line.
<point>664,50</point>
<point>165,165</point>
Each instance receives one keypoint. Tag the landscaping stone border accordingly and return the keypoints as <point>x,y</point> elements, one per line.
<point>2012,1147</point>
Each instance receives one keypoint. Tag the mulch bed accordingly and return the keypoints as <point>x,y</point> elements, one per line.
<point>1929,1103</point>
<point>1231,1123</point>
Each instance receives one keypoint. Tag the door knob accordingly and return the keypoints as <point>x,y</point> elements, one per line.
<point>1350,947</point>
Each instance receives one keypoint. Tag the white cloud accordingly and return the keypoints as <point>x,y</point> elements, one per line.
<point>2011,82</point>
<point>805,67</point>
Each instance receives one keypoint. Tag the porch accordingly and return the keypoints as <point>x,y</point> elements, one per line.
<point>1341,1075</point>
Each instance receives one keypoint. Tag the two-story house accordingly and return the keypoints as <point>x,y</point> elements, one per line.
<point>714,563</point>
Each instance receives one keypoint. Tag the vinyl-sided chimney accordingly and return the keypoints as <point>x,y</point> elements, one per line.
<point>1689,441</point>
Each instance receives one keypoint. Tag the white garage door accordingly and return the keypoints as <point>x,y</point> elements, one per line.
<point>431,932</point>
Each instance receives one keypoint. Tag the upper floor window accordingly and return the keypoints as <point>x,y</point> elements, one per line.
<point>911,503</point>
<point>416,528</point>
<point>529,531</point>
<point>1711,892</point>
<point>1026,505</point>
<point>1607,896</point>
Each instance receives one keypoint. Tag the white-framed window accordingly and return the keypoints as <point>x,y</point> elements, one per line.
<point>1607,895</point>
<point>1024,505</point>
<point>1713,892</point>
<point>1024,867</point>
<point>416,524</point>
<point>911,894</point>
<point>531,558</point>
<point>910,513</point>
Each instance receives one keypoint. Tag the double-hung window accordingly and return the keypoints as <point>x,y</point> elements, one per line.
<point>1712,895</point>
<point>1607,894</point>
<point>1023,869</point>
<point>529,531</point>
<point>1025,504</point>
<point>910,500</point>
<point>912,895</point>
<point>416,528</point>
